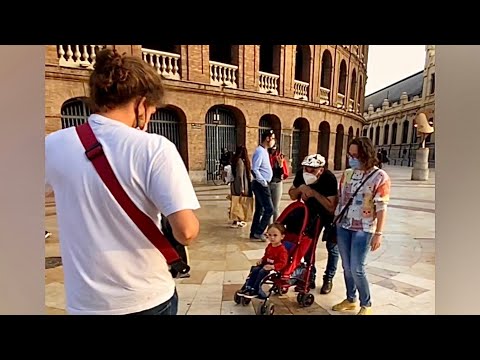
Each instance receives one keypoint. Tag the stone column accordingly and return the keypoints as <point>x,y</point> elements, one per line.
<point>420,169</point>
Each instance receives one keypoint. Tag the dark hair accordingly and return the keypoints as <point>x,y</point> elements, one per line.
<point>366,152</point>
<point>278,226</point>
<point>266,134</point>
<point>241,153</point>
<point>117,79</point>
<point>274,150</point>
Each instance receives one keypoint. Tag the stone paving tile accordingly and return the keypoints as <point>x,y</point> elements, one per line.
<point>234,277</point>
<point>229,291</point>
<point>401,273</point>
<point>54,275</point>
<point>230,308</point>
<point>415,280</point>
<point>401,287</point>
<point>384,273</point>
<point>55,295</point>
<point>54,311</point>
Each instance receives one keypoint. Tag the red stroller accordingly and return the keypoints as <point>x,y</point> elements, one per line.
<point>301,235</point>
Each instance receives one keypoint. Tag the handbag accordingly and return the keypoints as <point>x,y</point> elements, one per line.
<point>241,208</point>
<point>168,247</point>
<point>330,230</point>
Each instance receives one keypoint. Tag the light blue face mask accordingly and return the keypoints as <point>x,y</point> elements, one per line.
<point>354,163</point>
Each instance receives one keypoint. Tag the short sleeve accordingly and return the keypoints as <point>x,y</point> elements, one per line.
<point>298,181</point>
<point>382,191</point>
<point>169,186</point>
<point>331,186</point>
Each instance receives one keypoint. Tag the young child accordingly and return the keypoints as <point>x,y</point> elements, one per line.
<point>275,258</point>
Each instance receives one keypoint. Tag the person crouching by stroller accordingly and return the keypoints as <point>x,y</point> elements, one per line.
<point>275,258</point>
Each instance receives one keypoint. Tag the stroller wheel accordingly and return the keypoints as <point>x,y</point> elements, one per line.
<point>271,309</point>
<point>305,300</point>
<point>300,298</point>
<point>267,309</point>
<point>237,298</point>
<point>280,290</point>
<point>245,301</point>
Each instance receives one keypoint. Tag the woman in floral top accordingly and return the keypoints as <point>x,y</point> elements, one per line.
<point>361,228</point>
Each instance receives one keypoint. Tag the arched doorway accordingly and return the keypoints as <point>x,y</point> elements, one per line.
<point>163,47</point>
<point>357,134</point>
<point>267,122</point>
<point>74,112</point>
<point>171,123</point>
<point>223,53</point>
<point>349,138</point>
<point>386,130</point>
<point>300,142</point>
<point>326,77</point>
<point>270,68</point>
<point>221,132</point>
<point>338,148</point>
<point>394,133</point>
<point>406,126</point>
<point>353,92</point>
<point>361,99</point>
<point>342,85</point>
<point>324,139</point>
<point>302,72</point>
<point>377,136</point>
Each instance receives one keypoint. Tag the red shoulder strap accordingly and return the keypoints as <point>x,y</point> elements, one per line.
<point>95,154</point>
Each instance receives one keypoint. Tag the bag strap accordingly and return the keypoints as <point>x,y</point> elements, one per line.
<point>94,152</point>
<point>344,210</point>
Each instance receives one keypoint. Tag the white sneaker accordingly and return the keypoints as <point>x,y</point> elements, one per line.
<point>242,224</point>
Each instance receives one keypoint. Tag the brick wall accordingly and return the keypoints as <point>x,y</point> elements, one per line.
<point>193,97</point>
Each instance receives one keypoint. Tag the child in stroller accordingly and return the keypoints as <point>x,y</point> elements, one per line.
<point>300,234</point>
<point>275,258</point>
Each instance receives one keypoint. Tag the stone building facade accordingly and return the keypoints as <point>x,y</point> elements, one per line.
<point>391,112</point>
<point>222,96</point>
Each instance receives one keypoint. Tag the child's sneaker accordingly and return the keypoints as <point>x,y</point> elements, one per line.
<point>250,294</point>
<point>243,292</point>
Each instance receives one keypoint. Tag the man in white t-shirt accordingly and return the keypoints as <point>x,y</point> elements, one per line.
<point>110,267</point>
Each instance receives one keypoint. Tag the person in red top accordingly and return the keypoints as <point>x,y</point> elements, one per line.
<point>275,258</point>
<point>280,173</point>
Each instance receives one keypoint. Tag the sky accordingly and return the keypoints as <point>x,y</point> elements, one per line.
<point>388,64</point>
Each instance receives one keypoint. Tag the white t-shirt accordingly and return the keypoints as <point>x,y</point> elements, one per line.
<point>110,267</point>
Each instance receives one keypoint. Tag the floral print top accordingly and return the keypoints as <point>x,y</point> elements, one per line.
<point>370,199</point>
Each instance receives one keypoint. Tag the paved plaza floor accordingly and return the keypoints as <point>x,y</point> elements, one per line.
<point>401,272</point>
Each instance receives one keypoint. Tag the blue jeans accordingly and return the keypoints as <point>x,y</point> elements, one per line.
<point>169,307</point>
<point>257,274</point>
<point>332,261</point>
<point>263,208</point>
<point>354,247</point>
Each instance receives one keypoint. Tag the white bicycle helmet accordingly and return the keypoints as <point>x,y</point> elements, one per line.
<point>314,161</point>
